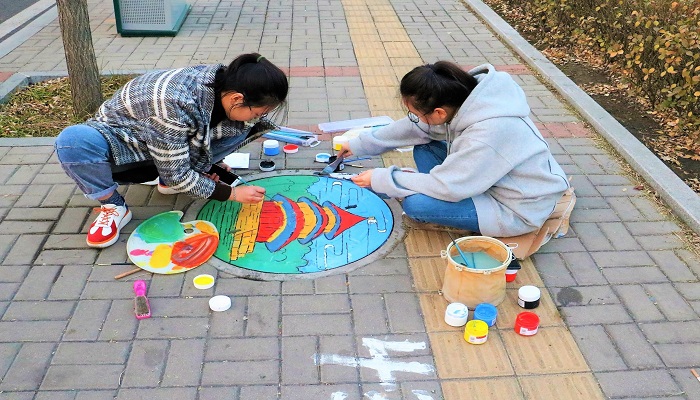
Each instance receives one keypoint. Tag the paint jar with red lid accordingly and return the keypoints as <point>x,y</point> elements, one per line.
<point>527,323</point>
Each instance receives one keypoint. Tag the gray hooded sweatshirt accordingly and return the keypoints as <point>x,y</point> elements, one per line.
<point>497,157</point>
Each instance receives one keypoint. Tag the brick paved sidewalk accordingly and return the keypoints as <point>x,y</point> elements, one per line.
<point>621,298</point>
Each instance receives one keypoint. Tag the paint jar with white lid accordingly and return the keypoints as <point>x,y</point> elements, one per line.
<point>529,297</point>
<point>271,147</point>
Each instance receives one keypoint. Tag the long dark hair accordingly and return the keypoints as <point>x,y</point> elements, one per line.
<point>430,86</point>
<point>261,82</point>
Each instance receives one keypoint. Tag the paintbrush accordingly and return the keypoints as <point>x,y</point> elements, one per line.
<point>461,253</point>
<point>142,308</point>
<point>243,181</point>
<point>332,166</point>
<point>695,374</point>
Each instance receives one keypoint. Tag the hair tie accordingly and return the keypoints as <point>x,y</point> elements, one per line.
<point>260,58</point>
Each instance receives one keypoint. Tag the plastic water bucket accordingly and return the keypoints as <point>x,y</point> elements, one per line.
<point>472,286</point>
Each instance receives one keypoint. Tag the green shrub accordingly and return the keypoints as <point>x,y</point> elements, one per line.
<point>655,44</point>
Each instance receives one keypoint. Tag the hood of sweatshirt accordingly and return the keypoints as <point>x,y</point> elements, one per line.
<point>491,98</point>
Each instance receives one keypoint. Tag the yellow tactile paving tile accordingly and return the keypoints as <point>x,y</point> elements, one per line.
<point>509,309</point>
<point>456,358</point>
<point>433,306</point>
<point>508,366</point>
<point>561,387</point>
<point>551,350</point>
<point>428,273</point>
<point>425,243</point>
<point>471,389</point>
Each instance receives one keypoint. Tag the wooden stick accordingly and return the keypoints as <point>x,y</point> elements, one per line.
<point>127,273</point>
<point>695,374</point>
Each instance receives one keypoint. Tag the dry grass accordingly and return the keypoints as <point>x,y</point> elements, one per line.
<point>45,108</point>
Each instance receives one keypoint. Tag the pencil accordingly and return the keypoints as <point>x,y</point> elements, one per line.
<point>243,181</point>
<point>695,374</point>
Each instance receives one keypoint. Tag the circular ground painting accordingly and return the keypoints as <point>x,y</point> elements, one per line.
<point>308,226</point>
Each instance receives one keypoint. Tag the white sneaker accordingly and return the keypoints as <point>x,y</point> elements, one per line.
<point>162,189</point>
<point>104,231</point>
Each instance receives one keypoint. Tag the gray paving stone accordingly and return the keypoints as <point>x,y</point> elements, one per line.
<point>38,283</point>
<point>591,236</point>
<point>58,195</point>
<point>169,307</point>
<point>672,266</point>
<point>146,363</point>
<point>24,250</point>
<point>660,242</point>
<point>298,365</point>
<point>259,392</point>
<point>13,273</point>
<point>633,346</point>
<point>553,270</point>
<point>8,352</point>
<point>184,362</point>
<point>595,314</point>
<point>27,370</point>
<point>305,392</point>
<point>583,295</point>
<point>70,282</point>
<point>264,316</point>
<point>33,196</point>
<point>298,286</point>
<point>598,349</point>
<point>404,313</point>
<point>640,305</point>
<point>243,349</point>
<point>622,258</point>
<point>236,373</point>
<point>316,304</point>
<point>120,323</point>
<point>670,302</point>
<point>651,383</point>
<point>369,314</point>
<point>33,214</point>
<point>185,393</point>
<point>379,284</point>
<point>39,311</point>
<point>387,266</point>
<point>172,328</point>
<point>317,324</point>
<point>341,346</point>
<point>625,209</point>
<point>80,353</point>
<point>583,269</point>
<point>245,287</point>
<point>671,332</point>
<point>63,257</point>
<point>331,284</point>
<point>87,319</point>
<point>216,393</point>
<point>630,275</point>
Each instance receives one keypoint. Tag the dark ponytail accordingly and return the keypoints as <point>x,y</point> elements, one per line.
<point>261,82</point>
<point>430,86</point>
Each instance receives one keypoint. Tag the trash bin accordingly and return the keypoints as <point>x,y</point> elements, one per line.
<point>150,17</point>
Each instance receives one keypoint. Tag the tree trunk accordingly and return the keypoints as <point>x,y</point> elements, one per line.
<point>86,89</point>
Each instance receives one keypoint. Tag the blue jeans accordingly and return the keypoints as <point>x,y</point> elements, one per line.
<point>85,156</point>
<point>461,214</point>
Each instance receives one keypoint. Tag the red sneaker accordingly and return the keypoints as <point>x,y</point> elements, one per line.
<point>105,230</point>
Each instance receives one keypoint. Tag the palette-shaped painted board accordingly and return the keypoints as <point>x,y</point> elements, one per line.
<point>307,224</point>
<point>164,245</point>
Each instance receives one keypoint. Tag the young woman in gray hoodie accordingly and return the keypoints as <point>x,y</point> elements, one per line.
<point>482,164</point>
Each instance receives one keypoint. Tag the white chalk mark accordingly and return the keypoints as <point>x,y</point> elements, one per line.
<point>339,396</point>
<point>422,394</point>
<point>374,395</point>
<point>380,361</point>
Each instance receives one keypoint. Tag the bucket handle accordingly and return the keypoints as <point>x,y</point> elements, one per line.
<point>458,267</point>
<point>512,247</point>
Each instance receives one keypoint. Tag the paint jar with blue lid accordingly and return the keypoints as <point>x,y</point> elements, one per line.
<point>271,147</point>
<point>486,312</point>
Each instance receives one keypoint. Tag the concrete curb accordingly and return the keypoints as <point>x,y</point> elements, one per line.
<point>684,202</point>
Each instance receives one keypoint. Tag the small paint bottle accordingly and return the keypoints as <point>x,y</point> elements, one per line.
<point>486,312</point>
<point>529,297</point>
<point>527,323</point>
<point>267,165</point>
<point>476,331</point>
<point>271,147</point>
<point>456,314</point>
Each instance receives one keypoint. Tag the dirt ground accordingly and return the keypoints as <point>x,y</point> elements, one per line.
<point>629,113</point>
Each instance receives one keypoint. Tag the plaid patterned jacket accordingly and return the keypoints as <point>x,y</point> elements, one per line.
<point>164,116</point>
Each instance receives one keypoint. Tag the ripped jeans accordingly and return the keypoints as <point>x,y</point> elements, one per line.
<point>461,214</point>
<point>85,156</point>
